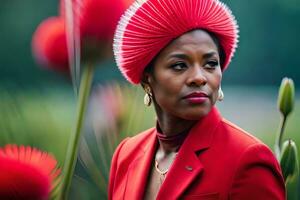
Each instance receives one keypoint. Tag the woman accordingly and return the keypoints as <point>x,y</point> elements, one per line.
<point>178,51</point>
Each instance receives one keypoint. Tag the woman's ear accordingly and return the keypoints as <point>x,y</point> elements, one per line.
<point>146,79</point>
<point>147,76</point>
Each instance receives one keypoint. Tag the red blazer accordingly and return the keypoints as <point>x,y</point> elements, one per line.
<point>217,160</point>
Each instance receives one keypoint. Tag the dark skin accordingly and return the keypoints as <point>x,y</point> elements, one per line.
<point>190,63</point>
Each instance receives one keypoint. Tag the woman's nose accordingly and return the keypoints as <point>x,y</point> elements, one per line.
<point>196,77</point>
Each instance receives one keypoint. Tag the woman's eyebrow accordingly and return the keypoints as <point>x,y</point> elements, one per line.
<point>184,56</point>
<point>210,54</point>
<point>178,55</point>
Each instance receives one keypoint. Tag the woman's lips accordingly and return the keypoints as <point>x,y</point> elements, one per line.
<point>196,97</point>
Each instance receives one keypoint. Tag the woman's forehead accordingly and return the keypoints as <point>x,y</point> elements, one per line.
<point>191,41</point>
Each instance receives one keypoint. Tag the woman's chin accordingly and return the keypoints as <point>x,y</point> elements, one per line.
<point>196,114</point>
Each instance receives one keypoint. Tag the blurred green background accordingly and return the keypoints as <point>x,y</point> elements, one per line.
<point>37,106</point>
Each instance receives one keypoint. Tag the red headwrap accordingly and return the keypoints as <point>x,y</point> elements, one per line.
<point>149,25</point>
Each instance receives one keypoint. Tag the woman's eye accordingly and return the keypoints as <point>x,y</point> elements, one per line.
<point>178,66</point>
<point>212,64</point>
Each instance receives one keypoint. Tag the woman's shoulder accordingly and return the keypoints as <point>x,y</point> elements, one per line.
<point>236,134</point>
<point>239,142</point>
<point>131,145</point>
<point>140,138</point>
<point>253,164</point>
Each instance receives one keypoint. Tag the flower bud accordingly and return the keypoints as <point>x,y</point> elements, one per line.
<point>289,159</point>
<point>286,96</point>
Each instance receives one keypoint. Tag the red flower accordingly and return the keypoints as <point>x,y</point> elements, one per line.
<point>97,18</point>
<point>26,173</point>
<point>127,3</point>
<point>49,44</point>
<point>97,21</point>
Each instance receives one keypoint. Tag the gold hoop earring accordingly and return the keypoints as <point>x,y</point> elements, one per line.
<point>221,94</point>
<point>148,96</point>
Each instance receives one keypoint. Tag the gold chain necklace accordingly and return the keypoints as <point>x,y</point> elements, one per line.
<point>162,174</point>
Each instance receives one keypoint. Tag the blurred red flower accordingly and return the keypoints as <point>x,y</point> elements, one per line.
<point>97,21</point>
<point>49,44</point>
<point>127,3</point>
<point>97,18</point>
<point>26,173</point>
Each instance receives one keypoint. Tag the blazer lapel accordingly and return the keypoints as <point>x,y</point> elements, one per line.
<point>138,170</point>
<point>184,170</point>
<point>187,166</point>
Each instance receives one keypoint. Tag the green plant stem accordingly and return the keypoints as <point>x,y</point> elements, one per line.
<point>84,92</point>
<point>278,143</point>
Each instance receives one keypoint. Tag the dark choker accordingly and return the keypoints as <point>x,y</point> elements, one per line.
<point>174,140</point>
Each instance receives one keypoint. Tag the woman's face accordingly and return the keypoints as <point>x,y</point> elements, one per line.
<point>186,76</point>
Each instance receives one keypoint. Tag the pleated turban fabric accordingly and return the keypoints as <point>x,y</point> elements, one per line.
<point>148,26</point>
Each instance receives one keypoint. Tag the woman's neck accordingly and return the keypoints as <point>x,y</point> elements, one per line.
<point>174,126</point>
<point>171,126</point>
<point>172,132</point>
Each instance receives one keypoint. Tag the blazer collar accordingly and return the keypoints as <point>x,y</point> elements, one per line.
<point>201,135</point>
<point>139,169</point>
<point>186,166</point>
